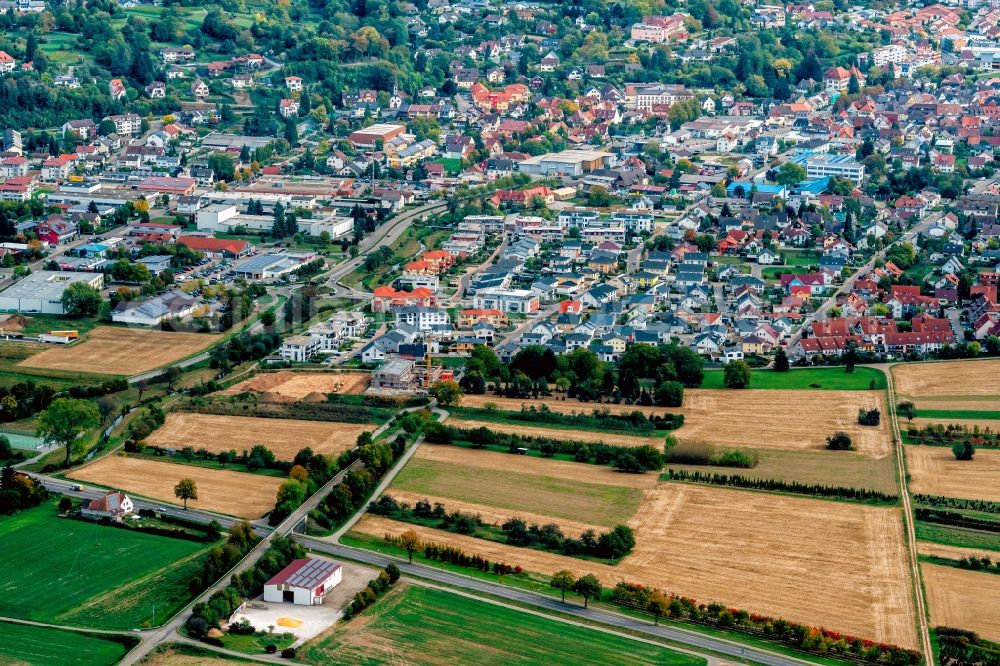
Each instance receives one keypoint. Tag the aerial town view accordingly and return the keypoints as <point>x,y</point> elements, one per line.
<point>470,332</point>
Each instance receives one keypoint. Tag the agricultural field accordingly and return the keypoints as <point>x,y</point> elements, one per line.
<point>951,378</point>
<point>12,354</point>
<point>800,420</point>
<point>745,549</point>
<point>803,379</point>
<point>845,469</point>
<point>963,598</point>
<point>416,625</point>
<point>284,437</point>
<point>25,644</point>
<point>121,351</point>
<point>61,570</point>
<point>289,386</point>
<point>577,435</point>
<point>222,491</point>
<point>933,470</point>
<point>560,490</point>
<point>952,552</point>
<point>182,654</point>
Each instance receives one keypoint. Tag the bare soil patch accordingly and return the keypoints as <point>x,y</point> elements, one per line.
<point>121,351</point>
<point>793,420</point>
<point>222,491</point>
<point>963,598</point>
<point>289,386</point>
<point>934,471</point>
<point>505,462</point>
<point>491,514</point>
<point>948,378</point>
<point>568,434</point>
<point>285,437</point>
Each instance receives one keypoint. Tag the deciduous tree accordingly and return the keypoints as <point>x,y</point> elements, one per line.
<point>65,420</point>
<point>186,489</point>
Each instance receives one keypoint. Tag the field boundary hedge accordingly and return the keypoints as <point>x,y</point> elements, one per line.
<point>774,485</point>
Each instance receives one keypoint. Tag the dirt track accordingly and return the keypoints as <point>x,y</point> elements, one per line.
<point>222,491</point>
<point>121,351</point>
<point>963,598</point>
<point>933,470</point>
<point>568,434</point>
<point>285,437</point>
<point>947,379</point>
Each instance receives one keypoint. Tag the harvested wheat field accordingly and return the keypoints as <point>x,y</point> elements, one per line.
<point>955,403</point>
<point>949,378</point>
<point>285,437</point>
<point>782,419</point>
<point>837,565</point>
<point>121,351</point>
<point>219,490</point>
<point>289,386</point>
<point>569,434</point>
<point>557,404</point>
<point>171,656</point>
<point>504,462</point>
<point>964,599</point>
<point>933,470</point>
<point>953,552</point>
<point>491,514</point>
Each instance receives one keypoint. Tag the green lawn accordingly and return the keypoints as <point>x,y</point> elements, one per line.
<point>63,570</point>
<point>428,626</point>
<point>956,536</point>
<point>257,643</point>
<point>806,378</point>
<point>949,414</point>
<point>24,644</point>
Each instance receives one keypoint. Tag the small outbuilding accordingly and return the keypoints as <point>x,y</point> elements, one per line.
<point>304,582</point>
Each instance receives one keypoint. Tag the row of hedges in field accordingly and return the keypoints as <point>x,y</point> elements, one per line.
<point>599,418</point>
<point>773,485</point>
<point>983,506</point>
<point>959,647</point>
<point>936,434</point>
<point>955,519</point>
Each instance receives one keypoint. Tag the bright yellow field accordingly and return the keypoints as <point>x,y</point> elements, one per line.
<point>121,351</point>
<point>934,471</point>
<point>963,598</point>
<point>952,378</point>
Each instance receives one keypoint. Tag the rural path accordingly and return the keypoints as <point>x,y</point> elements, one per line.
<point>908,522</point>
<point>689,639</point>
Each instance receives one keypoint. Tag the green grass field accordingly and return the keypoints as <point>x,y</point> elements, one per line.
<point>24,644</point>
<point>63,570</point>
<point>592,503</point>
<point>956,536</point>
<point>832,468</point>
<point>427,626</point>
<point>949,414</point>
<point>801,379</point>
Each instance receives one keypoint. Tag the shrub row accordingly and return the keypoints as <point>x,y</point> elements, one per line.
<point>959,647</point>
<point>798,636</point>
<point>613,544</point>
<point>983,506</point>
<point>375,588</point>
<point>247,405</point>
<point>623,458</point>
<point>703,453</point>
<point>600,418</point>
<point>956,519</point>
<point>794,487</point>
<point>205,534</point>
<point>937,434</point>
<point>456,556</point>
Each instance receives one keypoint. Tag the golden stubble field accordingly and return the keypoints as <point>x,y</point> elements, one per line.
<point>289,386</point>
<point>838,565</point>
<point>963,598</point>
<point>219,490</point>
<point>777,419</point>
<point>121,351</point>
<point>933,470</point>
<point>539,430</point>
<point>951,378</point>
<point>284,437</point>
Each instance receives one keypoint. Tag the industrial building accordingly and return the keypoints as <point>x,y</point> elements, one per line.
<point>42,292</point>
<point>304,582</point>
<point>567,163</point>
<point>225,218</point>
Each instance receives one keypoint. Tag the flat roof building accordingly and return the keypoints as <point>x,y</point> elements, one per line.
<point>368,136</point>
<point>574,162</point>
<point>42,291</point>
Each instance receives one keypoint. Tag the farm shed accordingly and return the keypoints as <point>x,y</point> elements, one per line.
<point>304,582</point>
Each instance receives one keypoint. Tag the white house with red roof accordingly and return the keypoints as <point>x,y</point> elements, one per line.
<point>117,89</point>
<point>114,506</point>
<point>293,83</point>
<point>304,582</point>
<point>12,167</point>
<point>6,63</point>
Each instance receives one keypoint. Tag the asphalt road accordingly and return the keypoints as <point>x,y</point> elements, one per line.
<point>681,636</point>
